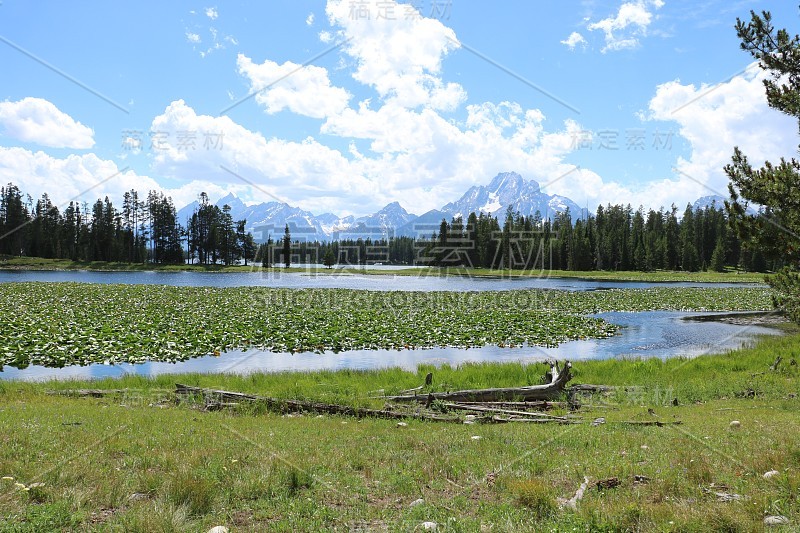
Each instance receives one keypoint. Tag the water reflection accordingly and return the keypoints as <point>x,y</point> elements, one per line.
<point>644,334</point>
<point>338,280</point>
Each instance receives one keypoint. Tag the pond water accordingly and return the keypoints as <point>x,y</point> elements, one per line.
<point>338,280</point>
<point>644,334</point>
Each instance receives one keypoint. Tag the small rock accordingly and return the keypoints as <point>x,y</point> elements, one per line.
<point>402,424</point>
<point>476,437</point>
<point>776,520</point>
<point>137,496</point>
<point>598,421</point>
<point>429,526</point>
<point>771,473</point>
<point>735,424</point>
<point>644,446</point>
<point>218,529</point>
<point>416,502</point>
<point>470,417</point>
<point>469,422</point>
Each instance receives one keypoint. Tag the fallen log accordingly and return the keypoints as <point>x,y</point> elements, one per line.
<point>497,419</point>
<point>548,391</point>
<point>459,407</point>
<point>542,405</point>
<point>217,398</point>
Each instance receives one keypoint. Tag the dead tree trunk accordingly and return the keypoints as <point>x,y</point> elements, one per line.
<point>535,392</point>
<point>300,406</point>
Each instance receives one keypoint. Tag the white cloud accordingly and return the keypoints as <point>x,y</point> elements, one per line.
<point>305,90</point>
<point>85,178</point>
<point>211,12</point>
<point>624,29</point>
<point>39,121</point>
<point>193,38</point>
<point>715,119</point>
<point>310,19</point>
<point>75,177</point>
<point>400,57</point>
<point>574,40</point>
<point>305,173</point>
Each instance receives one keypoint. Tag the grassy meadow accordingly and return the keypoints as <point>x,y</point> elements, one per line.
<point>139,461</point>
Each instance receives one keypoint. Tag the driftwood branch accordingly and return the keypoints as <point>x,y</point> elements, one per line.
<point>460,407</point>
<point>548,391</point>
<point>295,406</point>
<point>572,503</point>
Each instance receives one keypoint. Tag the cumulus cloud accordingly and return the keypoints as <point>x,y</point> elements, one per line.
<point>305,90</point>
<point>310,19</point>
<point>211,12</point>
<point>75,177</point>
<point>87,177</point>
<point>305,173</point>
<point>39,121</point>
<point>624,29</point>
<point>574,40</point>
<point>193,37</point>
<point>714,119</point>
<point>400,56</point>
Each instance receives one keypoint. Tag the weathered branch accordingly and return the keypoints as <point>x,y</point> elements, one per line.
<point>534,392</point>
<point>295,406</point>
<point>460,407</point>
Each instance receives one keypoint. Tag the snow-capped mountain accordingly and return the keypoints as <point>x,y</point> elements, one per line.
<point>506,189</point>
<point>707,201</point>
<point>384,222</point>
<point>510,189</point>
<point>331,223</point>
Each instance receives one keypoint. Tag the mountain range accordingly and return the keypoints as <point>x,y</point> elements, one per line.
<point>506,189</point>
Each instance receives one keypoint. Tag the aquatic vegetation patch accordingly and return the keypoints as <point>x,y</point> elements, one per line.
<point>60,324</point>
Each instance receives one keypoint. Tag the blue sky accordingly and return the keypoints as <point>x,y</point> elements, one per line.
<point>354,104</point>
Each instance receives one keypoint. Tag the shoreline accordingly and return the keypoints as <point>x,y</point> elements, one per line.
<point>38,264</point>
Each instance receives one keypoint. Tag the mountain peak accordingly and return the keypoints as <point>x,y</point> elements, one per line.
<point>505,180</point>
<point>509,189</point>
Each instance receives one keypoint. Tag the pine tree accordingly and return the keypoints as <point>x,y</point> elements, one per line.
<point>773,186</point>
<point>287,247</point>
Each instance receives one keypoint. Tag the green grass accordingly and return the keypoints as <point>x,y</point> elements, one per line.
<point>730,276</point>
<point>39,263</point>
<point>253,471</point>
<point>58,324</point>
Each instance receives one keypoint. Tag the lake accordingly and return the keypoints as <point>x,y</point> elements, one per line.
<point>337,280</point>
<point>643,334</point>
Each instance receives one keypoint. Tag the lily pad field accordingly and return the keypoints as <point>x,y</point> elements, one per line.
<point>60,324</point>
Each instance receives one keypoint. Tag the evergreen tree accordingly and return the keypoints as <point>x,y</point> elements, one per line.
<point>329,260</point>
<point>718,257</point>
<point>287,247</point>
<point>773,186</point>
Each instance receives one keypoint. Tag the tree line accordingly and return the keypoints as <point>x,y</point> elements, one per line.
<point>614,238</point>
<point>144,230</point>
